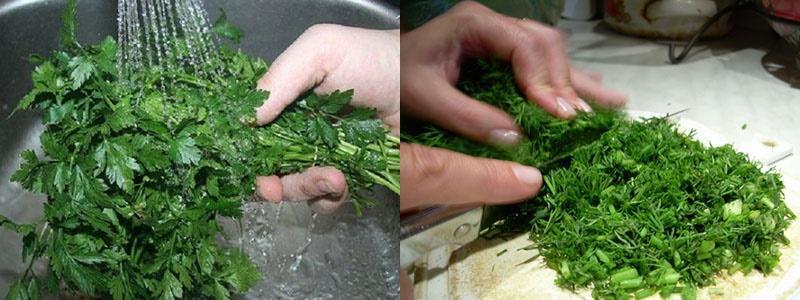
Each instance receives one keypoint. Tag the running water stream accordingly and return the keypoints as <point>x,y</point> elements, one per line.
<point>176,35</point>
<point>163,34</point>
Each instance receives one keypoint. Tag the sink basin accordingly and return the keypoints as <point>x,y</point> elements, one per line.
<point>348,256</point>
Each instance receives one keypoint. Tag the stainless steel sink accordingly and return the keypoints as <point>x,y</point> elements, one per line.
<point>349,257</point>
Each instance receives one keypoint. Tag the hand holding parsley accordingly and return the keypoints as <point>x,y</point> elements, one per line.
<point>137,167</point>
<point>326,58</point>
<point>431,64</point>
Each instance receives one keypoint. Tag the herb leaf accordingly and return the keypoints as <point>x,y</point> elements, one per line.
<point>183,150</point>
<point>225,29</point>
<point>118,165</point>
<point>82,69</point>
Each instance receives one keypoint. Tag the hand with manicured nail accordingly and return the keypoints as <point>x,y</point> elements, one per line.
<point>326,58</point>
<point>431,57</point>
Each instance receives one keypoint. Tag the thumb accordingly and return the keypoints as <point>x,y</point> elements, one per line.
<point>325,188</point>
<point>436,176</point>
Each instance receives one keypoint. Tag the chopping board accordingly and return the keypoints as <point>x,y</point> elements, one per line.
<point>476,271</point>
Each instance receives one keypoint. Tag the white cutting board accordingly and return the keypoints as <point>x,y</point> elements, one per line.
<point>475,271</point>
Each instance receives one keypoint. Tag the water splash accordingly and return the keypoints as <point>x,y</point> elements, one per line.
<point>299,254</point>
<point>303,255</point>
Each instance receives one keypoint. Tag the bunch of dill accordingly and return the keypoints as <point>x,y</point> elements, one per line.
<point>629,207</point>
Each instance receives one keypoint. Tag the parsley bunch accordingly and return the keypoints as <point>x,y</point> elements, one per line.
<point>628,208</point>
<point>137,169</point>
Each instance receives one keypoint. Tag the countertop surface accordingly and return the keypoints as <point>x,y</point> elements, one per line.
<point>747,77</point>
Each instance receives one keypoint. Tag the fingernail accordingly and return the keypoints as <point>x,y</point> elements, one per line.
<point>324,186</point>
<point>565,108</point>
<point>582,105</point>
<point>527,175</point>
<point>503,137</point>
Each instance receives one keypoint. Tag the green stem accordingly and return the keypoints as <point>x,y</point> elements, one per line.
<point>394,186</point>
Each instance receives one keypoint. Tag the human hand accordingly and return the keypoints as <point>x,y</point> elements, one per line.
<point>327,58</point>
<point>431,57</point>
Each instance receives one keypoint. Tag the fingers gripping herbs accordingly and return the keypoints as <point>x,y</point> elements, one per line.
<point>137,170</point>
<point>630,208</point>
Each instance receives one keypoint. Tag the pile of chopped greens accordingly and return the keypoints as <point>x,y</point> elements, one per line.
<point>137,170</point>
<point>628,208</point>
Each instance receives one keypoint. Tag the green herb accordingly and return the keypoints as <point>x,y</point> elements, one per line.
<point>224,28</point>
<point>744,126</point>
<point>630,208</point>
<point>136,171</point>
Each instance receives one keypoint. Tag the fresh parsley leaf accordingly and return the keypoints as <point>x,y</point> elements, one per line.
<point>240,273</point>
<point>53,148</point>
<point>122,117</point>
<point>220,292</point>
<point>332,103</point>
<point>118,289</point>
<point>206,260</point>
<point>171,288</point>
<point>29,173</point>
<point>183,150</point>
<point>225,29</point>
<point>362,132</point>
<point>26,101</point>
<point>62,175</point>
<point>322,131</point>
<point>119,166</point>
<point>57,113</point>
<point>362,113</point>
<point>106,60</point>
<point>82,69</point>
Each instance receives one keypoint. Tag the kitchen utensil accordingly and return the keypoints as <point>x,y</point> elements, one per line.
<point>671,19</point>
<point>783,16</point>
<point>786,22</point>
<point>435,227</point>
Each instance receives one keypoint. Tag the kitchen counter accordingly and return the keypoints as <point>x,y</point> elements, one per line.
<point>747,77</point>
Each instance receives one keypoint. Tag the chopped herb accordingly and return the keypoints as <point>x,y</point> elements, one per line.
<point>629,207</point>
